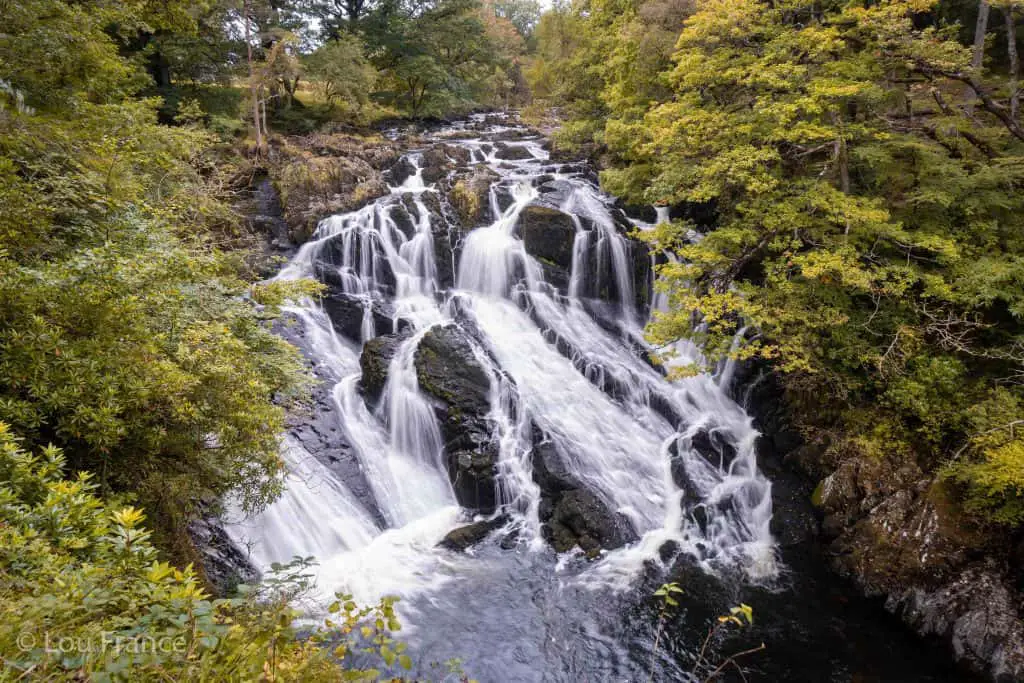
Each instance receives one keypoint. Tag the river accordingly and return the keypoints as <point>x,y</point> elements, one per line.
<point>566,367</point>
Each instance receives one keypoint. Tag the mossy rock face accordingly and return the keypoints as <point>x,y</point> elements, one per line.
<point>313,187</point>
<point>449,373</point>
<point>470,196</point>
<point>548,234</point>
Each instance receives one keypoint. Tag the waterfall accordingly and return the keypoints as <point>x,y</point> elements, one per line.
<point>560,362</point>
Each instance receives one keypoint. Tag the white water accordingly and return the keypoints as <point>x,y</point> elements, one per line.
<point>593,395</point>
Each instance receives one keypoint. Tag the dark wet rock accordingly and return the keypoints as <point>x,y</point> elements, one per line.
<point>571,515</point>
<point>699,515</point>
<point>549,469</point>
<point>224,565</point>
<point>702,214</point>
<point>404,217</point>
<point>347,312</point>
<point>401,171</point>
<point>512,152</point>
<point>450,374</point>
<point>583,170</point>
<point>641,212</point>
<point>668,550</point>
<point>554,193</point>
<point>441,229</point>
<point>548,235</point>
<point>375,361</point>
<point>714,447</point>
<point>503,196</point>
<point>579,518</point>
<point>682,479</point>
<point>465,537</point>
<point>977,612</point>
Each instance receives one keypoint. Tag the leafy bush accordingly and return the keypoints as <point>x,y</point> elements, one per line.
<point>86,596</point>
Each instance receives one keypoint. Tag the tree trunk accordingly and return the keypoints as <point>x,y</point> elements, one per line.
<point>253,92</point>
<point>978,58</point>
<point>1011,50</point>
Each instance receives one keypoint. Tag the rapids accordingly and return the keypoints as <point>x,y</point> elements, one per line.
<point>511,608</point>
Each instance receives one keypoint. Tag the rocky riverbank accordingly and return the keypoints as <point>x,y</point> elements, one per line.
<point>886,527</point>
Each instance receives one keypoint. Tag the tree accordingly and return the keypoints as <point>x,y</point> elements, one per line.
<point>343,72</point>
<point>978,54</point>
<point>431,55</point>
<point>868,230</point>
<point>337,17</point>
<point>1014,61</point>
<point>126,335</point>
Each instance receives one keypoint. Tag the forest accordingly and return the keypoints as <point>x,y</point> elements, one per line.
<point>853,173</point>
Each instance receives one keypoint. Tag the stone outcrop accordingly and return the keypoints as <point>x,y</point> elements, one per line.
<point>450,374</point>
<point>348,315</point>
<point>548,235</point>
<point>887,526</point>
<point>374,361</point>
<point>470,196</point>
<point>327,174</point>
<point>570,514</point>
<point>509,152</point>
<point>440,160</point>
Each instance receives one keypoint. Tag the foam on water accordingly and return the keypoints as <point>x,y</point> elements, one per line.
<point>617,424</point>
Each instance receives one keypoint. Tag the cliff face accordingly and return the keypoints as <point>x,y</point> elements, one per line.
<point>887,526</point>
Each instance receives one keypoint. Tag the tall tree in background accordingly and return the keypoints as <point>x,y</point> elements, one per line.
<point>978,54</point>
<point>1014,60</point>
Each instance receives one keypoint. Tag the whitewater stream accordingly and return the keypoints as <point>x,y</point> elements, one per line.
<point>567,367</point>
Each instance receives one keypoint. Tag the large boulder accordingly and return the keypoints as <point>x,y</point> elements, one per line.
<point>548,235</point>
<point>438,161</point>
<point>375,361</point>
<point>579,518</point>
<point>571,515</point>
<point>400,171</point>
<point>509,152</point>
<point>449,373</point>
<point>554,193</point>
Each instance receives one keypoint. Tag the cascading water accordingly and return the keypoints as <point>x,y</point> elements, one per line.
<point>559,362</point>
